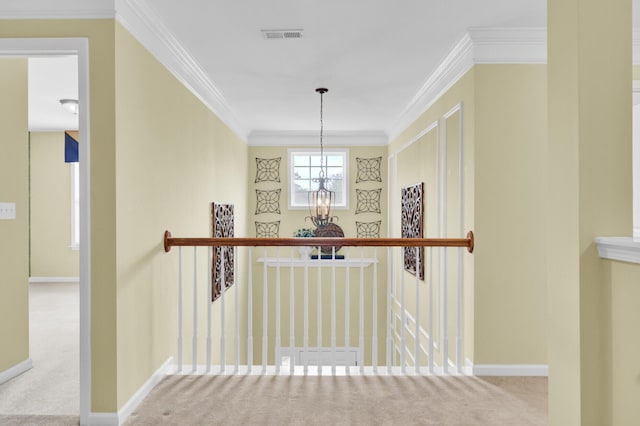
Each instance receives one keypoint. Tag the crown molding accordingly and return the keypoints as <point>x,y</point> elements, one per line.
<point>60,9</point>
<point>477,46</point>
<point>147,27</point>
<point>311,138</point>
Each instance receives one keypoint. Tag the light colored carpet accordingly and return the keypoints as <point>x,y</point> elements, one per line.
<point>52,386</point>
<point>278,400</point>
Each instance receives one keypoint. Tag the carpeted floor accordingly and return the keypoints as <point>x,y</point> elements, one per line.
<point>52,386</point>
<point>278,400</point>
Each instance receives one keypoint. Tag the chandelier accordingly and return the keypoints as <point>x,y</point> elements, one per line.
<point>322,200</point>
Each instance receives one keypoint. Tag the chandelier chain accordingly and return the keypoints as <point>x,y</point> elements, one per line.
<point>321,134</point>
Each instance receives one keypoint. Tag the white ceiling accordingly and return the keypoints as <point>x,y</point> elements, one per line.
<point>373,55</point>
<point>52,79</point>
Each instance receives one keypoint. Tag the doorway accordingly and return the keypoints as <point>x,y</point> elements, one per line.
<point>43,47</point>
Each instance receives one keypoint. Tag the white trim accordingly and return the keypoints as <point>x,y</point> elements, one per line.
<point>144,390</point>
<point>522,370</point>
<point>80,47</point>
<point>635,52</point>
<point>626,249</point>
<point>16,370</point>
<point>459,60</point>
<point>477,46</point>
<point>353,262</point>
<point>54,279</point>
<point>509,45</point>
<point>149,29</point>
<point>102,419</point>
<point>311,138</point>
<point>42,9</point>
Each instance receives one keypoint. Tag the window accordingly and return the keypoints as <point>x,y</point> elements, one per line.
<point>304,169</point>
<point>75,206</point>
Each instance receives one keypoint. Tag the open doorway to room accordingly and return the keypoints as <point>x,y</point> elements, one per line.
<point>62,297</point>
<point>53,383</point>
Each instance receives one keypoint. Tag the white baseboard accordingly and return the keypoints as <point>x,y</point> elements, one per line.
<point>116,419</point>
<point>529,370</point>
<point>144,390</point>
<point>54,279</point>
<point>102,419</point>
<point>16,370</point>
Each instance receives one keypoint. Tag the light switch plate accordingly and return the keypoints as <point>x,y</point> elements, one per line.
<point>7,211</point>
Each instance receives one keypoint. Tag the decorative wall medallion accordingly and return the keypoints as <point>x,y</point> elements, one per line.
<point>268,201</point>
<point>369,169</point>
<point>268,229</point>
<point>368,229</point>
<point>268,169</point>
<point>368,200</point>
<point>222,227</point>
<point>412,220</point>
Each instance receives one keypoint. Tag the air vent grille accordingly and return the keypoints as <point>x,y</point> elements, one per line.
<point>281,34</point>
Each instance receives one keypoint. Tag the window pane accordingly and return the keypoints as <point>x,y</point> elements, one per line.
<point>302,185</point>
<point>334,160</point>
<point>301,173</point>
<point>334,172</point>
<point>315,160</point>
<point>301,198</point>
<point>300,160</point>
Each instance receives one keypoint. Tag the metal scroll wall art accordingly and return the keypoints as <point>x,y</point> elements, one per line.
<point>412,227</point>
<point>222,220</point>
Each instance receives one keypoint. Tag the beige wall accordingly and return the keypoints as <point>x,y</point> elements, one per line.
<point>50,198</point>
<point>510,195</point>
<point>621,282</point>
<point>174,157</point>
<point>14,240</point>
<point>504,157</point>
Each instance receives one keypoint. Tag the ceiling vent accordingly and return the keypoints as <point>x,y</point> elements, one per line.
<point>281,34</point>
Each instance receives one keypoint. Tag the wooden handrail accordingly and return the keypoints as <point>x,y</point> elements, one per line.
<point>468,242</point>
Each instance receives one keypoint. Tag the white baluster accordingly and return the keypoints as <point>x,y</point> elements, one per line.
<point>250,314</point>
<point>180,366</point>
<point>223,288</point>
<point>431,307</point>
<point>389,340</point>
<point>319,314</point>
<point>237,309</point>
<point>361,331</point>
<point>374,337</point>
<point>460,314</point>
<point>292,337</point>
<point>306,315</point>
<point>347,308</point>
<point>416,348</point>
<point>209,299</point>
<point>278,357</point>
<point>333,312</point>
<point>403,341</point>
<point>194,348</point>
<point>265,313</point>
<point>445,335</point>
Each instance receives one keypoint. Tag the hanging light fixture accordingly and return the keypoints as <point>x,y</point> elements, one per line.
<point>322,200</point>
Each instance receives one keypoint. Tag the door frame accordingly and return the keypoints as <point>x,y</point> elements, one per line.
<point>25,47</point>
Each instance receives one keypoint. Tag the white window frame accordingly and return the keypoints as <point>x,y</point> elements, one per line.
<point>75,205</point>
<point>344,152</point>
